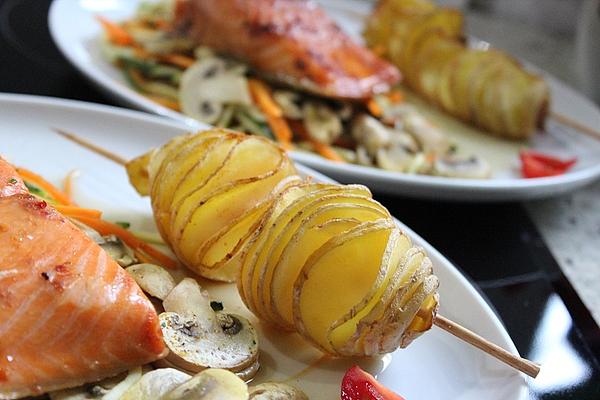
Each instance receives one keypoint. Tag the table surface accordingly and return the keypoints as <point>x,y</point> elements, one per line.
<point>496,245</point>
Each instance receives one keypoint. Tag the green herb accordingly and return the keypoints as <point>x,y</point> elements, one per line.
<point>216,305</point>
<point>122,224</point>
<point>35,190</point>
<point>12,181</point>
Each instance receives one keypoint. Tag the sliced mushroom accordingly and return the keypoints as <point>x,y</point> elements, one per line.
<point>210,384</point>
<point>154,384</point>
<point>455,167</point>
<point>362,157</point>
<point>395,158</point>
<point>209,84</point>
<point>276,391</point>
<point>370,133</point>
<point>201,338</point>
<point>321,122</point>
<point>430,137</point>
<point>154,280</point>
<point>288,101</point>
<point>107,389</point>
<point>118,250</point>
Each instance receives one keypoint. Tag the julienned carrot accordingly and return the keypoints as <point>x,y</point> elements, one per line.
<point>374,108</point>
<point>142,257</point>
<point>52,190</point>
<point>178,60</point>
<point>262,96</point>
<point>173,105</point>
<point>395,96</point>
<point>108,228</point>
<point>281,131</point>
<point>73,211</point>
<point>116,34</point>
<point>323,149</point>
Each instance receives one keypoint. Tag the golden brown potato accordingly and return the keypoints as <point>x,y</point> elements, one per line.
<point>325,260</point>
<point>486,88</point>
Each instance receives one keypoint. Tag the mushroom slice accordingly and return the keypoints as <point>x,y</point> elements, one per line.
<point>276,391</point>
<point>455,167</point>
<point>118,250</point>
<point>155,384</point>
<point>209,84</point>
<point>429,136</point>
<point>394,159</point>
<point>107,389</point>
<point>246,374</point>
<point>200,338</point>
<point>210,384</point>
<point>154,280</point>
<point>321,122</point>
<point>288,101</point>
<point>370,133</point>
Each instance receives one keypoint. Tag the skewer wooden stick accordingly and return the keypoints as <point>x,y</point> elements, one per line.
<point>90,146</point>
<point>563,119</point>
<point>528,367</point>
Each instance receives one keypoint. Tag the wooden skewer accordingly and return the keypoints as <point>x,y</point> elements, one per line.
<point>90,146</point>
<point>563,119</point>
<point>528,367</point>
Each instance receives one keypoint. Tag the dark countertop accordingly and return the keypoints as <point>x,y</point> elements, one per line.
<point>496,245</point>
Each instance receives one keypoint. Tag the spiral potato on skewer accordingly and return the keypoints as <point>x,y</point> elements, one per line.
<point>324,260</point>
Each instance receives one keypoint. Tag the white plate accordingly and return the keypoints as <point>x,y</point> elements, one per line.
<point>76,33</point>
<point>435,366</point>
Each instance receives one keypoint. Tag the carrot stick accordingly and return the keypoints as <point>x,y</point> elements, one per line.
<point>323,149</point>
<point>73,211</point>
<point>395,96</point>
<point>116,34</point>
<point>52,190</point>
<point>178,60</point>
<point>142,257</point>
<point>107,228</point>
<point>173,105</point>
<point>262,96</point>
<point>374,108</point>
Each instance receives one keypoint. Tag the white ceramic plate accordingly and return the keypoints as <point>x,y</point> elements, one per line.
<point>76,32</point>
<point>435,366</point>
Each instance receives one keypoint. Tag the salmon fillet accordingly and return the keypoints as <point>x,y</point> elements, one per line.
<point>292,41</point>
<point>69,314</point>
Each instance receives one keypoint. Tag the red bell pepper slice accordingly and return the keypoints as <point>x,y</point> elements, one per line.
<point>360,385</point>
<point>539,165</point>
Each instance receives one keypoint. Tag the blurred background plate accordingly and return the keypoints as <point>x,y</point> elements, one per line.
<point>76,33</point>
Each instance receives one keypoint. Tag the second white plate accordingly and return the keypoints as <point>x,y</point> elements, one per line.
<point>77,34</point>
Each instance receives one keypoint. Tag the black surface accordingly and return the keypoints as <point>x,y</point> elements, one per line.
<point>496,245</point>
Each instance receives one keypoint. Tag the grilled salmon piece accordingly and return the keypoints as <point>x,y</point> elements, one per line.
<point>291,41</point>
<point>68,313</point>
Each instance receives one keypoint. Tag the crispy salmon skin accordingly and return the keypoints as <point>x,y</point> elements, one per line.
<point>292,41</point>
<point>69,314</point>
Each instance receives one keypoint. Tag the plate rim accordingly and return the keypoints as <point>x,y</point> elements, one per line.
<point>422,186</point>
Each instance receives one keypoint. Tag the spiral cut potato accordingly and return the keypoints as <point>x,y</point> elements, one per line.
<point>487,88</point>
<point>324,260</point>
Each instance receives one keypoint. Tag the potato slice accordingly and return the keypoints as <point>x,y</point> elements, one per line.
<point>345,269</point>
<point>210,384</point>
<point>226,243</point>
<point>154,384</point>
<point>154,280</point>
<point>249,252</point>
<point>349,211</point>
<point>306,240</point>
<point>288,220</point>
